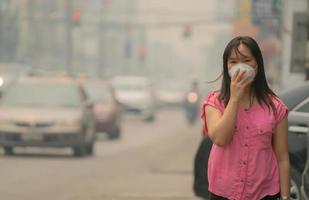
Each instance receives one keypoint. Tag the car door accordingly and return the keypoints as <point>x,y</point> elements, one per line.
<point>298,118</point>
<point>305,175</point>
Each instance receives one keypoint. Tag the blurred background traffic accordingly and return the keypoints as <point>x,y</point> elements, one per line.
<point>119,83</point>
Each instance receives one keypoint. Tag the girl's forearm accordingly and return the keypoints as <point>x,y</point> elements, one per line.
<point>225,127</point>
<point>285,177</point>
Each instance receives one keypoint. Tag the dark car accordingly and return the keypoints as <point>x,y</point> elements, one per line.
<point>106,108</point>
<point>305,176</point>
<point>200,182</point>
<point>296,100</point>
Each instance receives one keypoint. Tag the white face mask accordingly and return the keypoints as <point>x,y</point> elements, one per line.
<point>250,71</point>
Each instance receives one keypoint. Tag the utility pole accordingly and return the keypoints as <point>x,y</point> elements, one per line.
<point>101,49</point>
<point>69,38</point>
<point>1,30</point>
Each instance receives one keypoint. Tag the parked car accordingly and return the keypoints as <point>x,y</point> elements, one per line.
<point>107,110</point>
<point>136,95</point>
<point>46,112</point>
<point>297,100</point>
<point>200,177</point>
<point>305,176</point>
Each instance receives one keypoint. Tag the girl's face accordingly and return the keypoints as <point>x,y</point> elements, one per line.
<point>243,55</point>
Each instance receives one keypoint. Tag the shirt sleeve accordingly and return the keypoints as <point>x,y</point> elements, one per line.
<point>281,110</point>
<point>210,100</point>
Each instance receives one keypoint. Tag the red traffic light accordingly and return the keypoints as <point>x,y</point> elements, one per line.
<point>75,17</point>
<point>187,32</point>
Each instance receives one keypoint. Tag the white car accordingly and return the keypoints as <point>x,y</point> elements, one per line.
<point>136,95</point>
<point>10,72</point>
<point>171,93</point>
<point>46,112</point>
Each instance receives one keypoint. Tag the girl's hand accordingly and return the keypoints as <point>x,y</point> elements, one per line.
<point>238,84</point>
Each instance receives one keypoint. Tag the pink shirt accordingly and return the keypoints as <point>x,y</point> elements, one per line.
<point>246,168</point>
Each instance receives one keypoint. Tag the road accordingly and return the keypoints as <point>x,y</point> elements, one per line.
<point>150,161</point>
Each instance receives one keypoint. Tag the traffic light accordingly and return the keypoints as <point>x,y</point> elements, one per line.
<point>75,18</point>
<point>187,32</point>
<point>141,52</point>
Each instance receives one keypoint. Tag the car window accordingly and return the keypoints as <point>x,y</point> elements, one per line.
<point>42,94</point>
<point>294,96</point>
<point>98,92</point>
<point>304,108</point>
<point>131,86</point>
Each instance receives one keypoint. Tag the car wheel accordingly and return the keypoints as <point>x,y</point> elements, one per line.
<point>90,144</point>
<point>294,191</point>
<point>8,150</point>
<point>81,149</point>
<point>150,118</point>
<point>114,133</point>
<point>89,149</point>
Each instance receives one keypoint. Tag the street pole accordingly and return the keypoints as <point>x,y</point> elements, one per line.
<point>101,30</point>
<point>1,31</point>
<point>69,38</point>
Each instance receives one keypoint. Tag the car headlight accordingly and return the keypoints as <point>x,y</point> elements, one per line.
<point>1,81</point>
<point>4,123</point>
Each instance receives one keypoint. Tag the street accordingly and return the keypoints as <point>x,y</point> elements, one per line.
<point>150,161</point>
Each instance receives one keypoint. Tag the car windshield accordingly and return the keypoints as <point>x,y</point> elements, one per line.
<point>130,86</point>
<point>98,92</point>
<point>294,96</point>
<point>42,94</point>
<point>172,86</point>
<point>12,70</point>
<point>304,108</point>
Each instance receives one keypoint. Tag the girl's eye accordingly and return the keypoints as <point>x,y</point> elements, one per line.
<point>232,62</point>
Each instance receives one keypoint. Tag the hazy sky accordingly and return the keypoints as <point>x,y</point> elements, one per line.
<point>193,50</point>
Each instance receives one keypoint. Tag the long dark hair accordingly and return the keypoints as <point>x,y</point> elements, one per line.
<point>259,86</point>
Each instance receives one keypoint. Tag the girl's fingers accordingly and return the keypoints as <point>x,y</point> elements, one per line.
<point>245,81</point>
<point>240,76</point>
<point>236,74</point>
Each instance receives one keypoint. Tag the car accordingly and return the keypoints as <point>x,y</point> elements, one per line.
<point>170,94</point>
<point>107,110</point>
<point>297,101</point>
<point>46,112</point>
<point>305,176</point>
<point>136,95</point>
<point>200,178</point>
<point>10,72</point>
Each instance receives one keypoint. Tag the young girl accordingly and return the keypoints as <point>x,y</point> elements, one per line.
<point>247,124</point>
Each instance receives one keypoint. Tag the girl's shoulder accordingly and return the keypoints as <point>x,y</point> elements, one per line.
<point>213,94</point>
<point>277,102</point>
<point>214,100</point>
<point>281,110</point>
